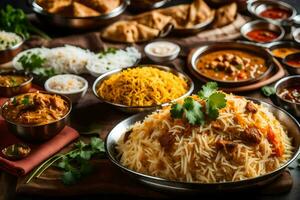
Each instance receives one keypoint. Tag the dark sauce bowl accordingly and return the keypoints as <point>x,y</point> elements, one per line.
<point>291,107</point>
<point>290,67</point>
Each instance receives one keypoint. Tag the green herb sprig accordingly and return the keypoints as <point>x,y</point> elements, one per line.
<point>15,20</point>
<point>75,164</point>
<point>268,91</point>
<point>194,112</point>
<point>110,50</point>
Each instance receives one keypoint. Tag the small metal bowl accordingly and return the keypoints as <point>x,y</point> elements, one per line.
<point>15,90</point>
<point>291,69</point>
<point>135,109</point>
<point>262,25</point>
<point>78,23</point>
<point>8,54</point>
<point>162,58</point>
<point>37,133</point>
<point>282,44</point>
<point>257,6</point>
<point>293,108</point>
<point>142,5</point>
<point>289,122</point>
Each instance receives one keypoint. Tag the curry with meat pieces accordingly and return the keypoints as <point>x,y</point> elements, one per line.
<point>35,108</point>
<point>231,65</point>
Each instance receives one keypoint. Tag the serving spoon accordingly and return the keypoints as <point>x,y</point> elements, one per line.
<point>16,151</point>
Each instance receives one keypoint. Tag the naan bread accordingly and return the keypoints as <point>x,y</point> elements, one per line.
<point>103,6</point>
<point>80,10</point>
<point>225,15</point>
<point>54,6</point>
<point>129,31</point>
<point>153,20</point>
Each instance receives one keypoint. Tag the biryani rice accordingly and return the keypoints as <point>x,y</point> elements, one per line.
<point>194,155</point>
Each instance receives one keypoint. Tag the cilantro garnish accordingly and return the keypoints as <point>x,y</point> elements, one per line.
<point>194,112</point>
<point>76,163</point>
<point>110,50</point>
<point>268,91</point>
<point>25,101</point>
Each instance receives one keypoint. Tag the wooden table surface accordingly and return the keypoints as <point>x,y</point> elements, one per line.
<point>8,182</point>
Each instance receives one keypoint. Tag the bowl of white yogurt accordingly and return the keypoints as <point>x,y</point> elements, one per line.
<point>162,51</point>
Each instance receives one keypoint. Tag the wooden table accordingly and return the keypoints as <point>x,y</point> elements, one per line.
<point>89,108</point>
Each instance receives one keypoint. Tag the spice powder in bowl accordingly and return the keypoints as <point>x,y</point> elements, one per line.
<point>70,85</point>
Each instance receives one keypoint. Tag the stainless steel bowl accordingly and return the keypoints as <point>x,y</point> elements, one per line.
<point>291,69</point>
<point>135,109</point>
<point>142,5</point>
<point>282,44</point>
<point>116,133</point>
<point>15,90</point>
<point>37,133</point>
<point>296,35</point>
<point>255,7</point>
<point>293,108</point>
<point>263,25</point>
<point>8,54</point>
<point>254,49</point>
<point>79,23</point>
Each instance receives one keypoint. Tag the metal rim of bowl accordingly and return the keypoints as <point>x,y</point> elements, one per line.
<point>286,164</point>
<point>67,99</point>
<point>47,87</point>
<point>281,81</point>
<point>253,4</point>
<point>245,29</point>
<point>282,44</point>
<point>151,6</point>
<point>30,78</point>
<point>163,68</point>
<point>115,12</point>
<point>201,50</point>
<point>16,46</point>
<point>296,33</point>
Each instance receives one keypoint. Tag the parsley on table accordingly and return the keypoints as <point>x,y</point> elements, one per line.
<point>194,112</point>
<point>268,91</point>
<point>75,164</point>
<point>15,20</point>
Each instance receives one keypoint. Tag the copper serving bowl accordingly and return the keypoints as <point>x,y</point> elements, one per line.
<point>9,53</point>
<point>135,109</point>
<point>15,90</point>
<point>78,23</point>
<point>37,133</point>
<point>181,187</point>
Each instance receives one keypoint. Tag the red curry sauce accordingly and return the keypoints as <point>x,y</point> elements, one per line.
<point>261,35</point>
<point>275,13</point>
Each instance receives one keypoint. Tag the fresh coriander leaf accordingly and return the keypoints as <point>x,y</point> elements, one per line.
<point>14,102</point>
<point>176,111</point>
<point>70,177</point>
<point>86,155</point>
<point>208,89</point>
<point>215,102</point>
<point>193,111</point>
<point>80,144</point>
<point>25,101</point>
<point>85,168</point>
<point>64,164</point>
<point>97,144</point>
<point>268,91</point>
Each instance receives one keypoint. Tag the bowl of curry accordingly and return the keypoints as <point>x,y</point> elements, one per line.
<point>36,116</point>
<point>231,63</point>
<point>13,83</point>
<point>282,49</point>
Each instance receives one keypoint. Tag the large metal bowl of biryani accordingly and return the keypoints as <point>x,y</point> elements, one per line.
<point>247,145</point>
<point>36,116</point>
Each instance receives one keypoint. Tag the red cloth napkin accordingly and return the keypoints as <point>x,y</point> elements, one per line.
<point>39,152</point>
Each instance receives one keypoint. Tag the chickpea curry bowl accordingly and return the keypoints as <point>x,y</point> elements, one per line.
<point>36,116</point>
